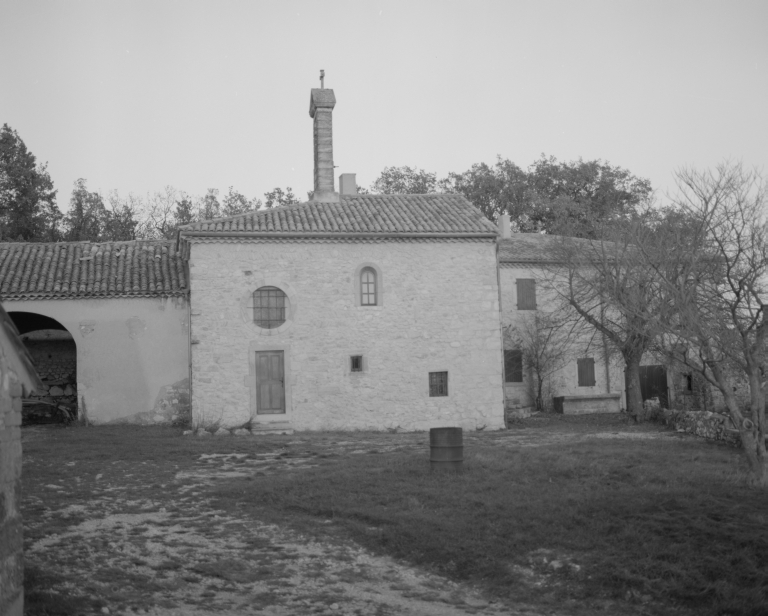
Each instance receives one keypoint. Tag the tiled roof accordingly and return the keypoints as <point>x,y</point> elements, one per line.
<point>68,270</point>
<point>442,214</point>
<point>536,248</point>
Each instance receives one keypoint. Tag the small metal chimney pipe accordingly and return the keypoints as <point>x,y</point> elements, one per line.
<point>321,104</point>
<point>505,229</point>
<point>347,184</point>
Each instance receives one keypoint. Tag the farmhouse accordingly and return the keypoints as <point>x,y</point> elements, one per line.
<point>579,370</point>
<point>348,311</point>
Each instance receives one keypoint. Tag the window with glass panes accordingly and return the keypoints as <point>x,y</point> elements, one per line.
<point>368,287</point>
<point>438,384</point>
<point>269,305</point>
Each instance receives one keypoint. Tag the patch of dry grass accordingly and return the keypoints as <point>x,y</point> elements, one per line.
<point>612,525</point>
<point>656,522</point>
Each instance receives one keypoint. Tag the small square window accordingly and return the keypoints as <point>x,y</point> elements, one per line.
<point>438,384</point>
<point>356,363</point>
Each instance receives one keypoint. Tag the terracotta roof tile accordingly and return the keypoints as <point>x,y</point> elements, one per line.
<point>82,269</point>
<point>366,214</point>
<point>539,248</point>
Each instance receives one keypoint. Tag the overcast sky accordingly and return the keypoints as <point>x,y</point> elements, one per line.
<point>199,94</point>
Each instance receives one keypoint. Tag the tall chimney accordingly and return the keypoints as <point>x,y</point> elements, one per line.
<point>504,227</point>
<point>321,104</point>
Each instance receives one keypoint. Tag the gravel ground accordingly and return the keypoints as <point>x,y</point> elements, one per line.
<point>147,540</point>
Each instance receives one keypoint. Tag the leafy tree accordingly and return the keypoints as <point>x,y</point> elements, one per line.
<point>277,197</point>
<point>236,203</point>
<point>86,219</point>
<point>122,218</point>
<point>552,197</point>
<point>502,188</point>
<point>571,198</point>
<point>405,180</point>
<point>28,210</point>
<point>184,212</point>
<point>209,207</point>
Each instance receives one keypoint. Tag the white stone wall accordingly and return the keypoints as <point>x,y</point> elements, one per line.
<point>587,343</point>
<point>439,312</point>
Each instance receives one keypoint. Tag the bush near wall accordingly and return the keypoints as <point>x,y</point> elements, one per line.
<point>715,426</point>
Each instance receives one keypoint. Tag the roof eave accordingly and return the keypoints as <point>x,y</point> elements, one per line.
<point>331,234</point>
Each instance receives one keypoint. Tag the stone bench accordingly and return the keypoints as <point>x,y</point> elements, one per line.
<point>593,403</point>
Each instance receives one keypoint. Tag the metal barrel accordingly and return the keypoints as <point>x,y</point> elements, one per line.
<point>446,449</point>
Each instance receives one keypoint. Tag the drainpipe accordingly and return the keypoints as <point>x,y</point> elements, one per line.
<point>605,350</point>
<point>504,233</point>
<point>189,339</point>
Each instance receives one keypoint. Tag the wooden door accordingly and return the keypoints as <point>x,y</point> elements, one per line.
<point>270,383</point>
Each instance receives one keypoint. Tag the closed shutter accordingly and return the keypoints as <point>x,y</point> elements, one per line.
<point>513,366</point>
<point>586,370</point>
<point>526,294</point>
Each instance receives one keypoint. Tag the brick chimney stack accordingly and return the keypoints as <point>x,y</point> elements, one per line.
<point>321,104</point>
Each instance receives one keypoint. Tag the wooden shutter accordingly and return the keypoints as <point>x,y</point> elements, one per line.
<point>513,366</point>
<point>586,370</point>
<point>526,294</point>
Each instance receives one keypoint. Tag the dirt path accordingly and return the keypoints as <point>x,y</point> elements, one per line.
<point>148,541</point>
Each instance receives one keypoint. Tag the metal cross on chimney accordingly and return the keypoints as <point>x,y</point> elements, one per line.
<point>322,78</point>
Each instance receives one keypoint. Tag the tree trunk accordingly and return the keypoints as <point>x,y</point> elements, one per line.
<point>750,430</point>
<point>539,400</point>
<point>752,442</point>
<point>634,395</point>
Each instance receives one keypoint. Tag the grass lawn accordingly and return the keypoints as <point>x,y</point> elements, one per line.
<point>572,515</point>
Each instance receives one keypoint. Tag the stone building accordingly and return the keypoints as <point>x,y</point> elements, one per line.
<point>586,374</point>
<point>372,312</point>
<point>581,369</point>
<point>346,312</point>
<point>107,325</point>
<point>17,378</point>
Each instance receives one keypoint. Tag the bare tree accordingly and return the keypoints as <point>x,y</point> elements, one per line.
<point>610,287</point>
<point>710,257</point>
<point>160,221</point>
<point>545,341</point>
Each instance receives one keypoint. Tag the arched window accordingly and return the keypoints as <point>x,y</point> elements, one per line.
<point>269,307</point>
<point>368,287</point>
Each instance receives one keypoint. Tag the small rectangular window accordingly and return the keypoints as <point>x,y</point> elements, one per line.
<point>586,370</point>
<point>526,294</point>
<point>356,363</point>
<point>438,384</point>
<point>513,366</point>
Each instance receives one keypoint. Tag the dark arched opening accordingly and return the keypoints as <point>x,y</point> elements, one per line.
<point>54,353</point>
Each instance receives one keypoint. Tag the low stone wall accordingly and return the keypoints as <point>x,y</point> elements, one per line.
<point>516,411</point>
<point>715,426</point>
<point>11,555</point>
<point>582,405</point>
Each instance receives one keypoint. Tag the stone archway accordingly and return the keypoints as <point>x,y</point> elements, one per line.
<point>54,353</point>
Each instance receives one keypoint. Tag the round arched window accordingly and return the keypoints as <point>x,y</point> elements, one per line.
<point>368,287</point>
<point>269,307</point>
